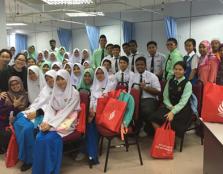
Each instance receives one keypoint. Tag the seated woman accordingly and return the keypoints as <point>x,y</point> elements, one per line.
<point>219,79</point>
<point>35,82</point>
<point>87,80</point>
<point>56,66</point>
<point>11,102</point>
<point>77,74</point>
<point>176,97</point>
<point>26,121</point>
<point>64,103</point>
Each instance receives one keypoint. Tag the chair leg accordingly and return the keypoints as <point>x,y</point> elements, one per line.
<point>107,155</point>
<point>126,143</point>
<point>139,151</point>
<point>181,143</point>
<point>101,146</point>
<point>202,134</point>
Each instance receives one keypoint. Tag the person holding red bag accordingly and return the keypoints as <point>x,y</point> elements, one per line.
<point>176,99</point>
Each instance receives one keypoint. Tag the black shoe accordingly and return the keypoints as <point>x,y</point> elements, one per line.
<point>26,167</point>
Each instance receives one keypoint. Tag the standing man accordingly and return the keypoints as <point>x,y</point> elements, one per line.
<point>155,61</point>
<point>53,46</point>
<point>99,53</point>
<point>134,55</point>
<point>126,49</point>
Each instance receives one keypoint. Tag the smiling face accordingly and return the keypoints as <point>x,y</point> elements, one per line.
<point>152,49</point>
<point>68,68</point>
<point>189,47</point>
<point>87,78</point>
<point>107,65</point>
<point>32,75</point>
<point>100,75</point>
<point>30,62</point>
<point>76,70</point>
<point>53,58</point>
<point>140,66</point>
<point>15,86</point>
<point>45,68</point>
<point>215,44</point>
<point>76,53</point>
<point>85,54</point>
<point>40,57</point>
<point>49,81</point>
<point>178,71</point>
<point>5,58</point>
<point>20,62</point>
<point>203,50</point>
<point>171,45</point>
<point>123,65</point>
<point>61,83</point>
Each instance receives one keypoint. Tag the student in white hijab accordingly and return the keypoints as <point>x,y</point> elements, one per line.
<point>85,56</point>
<point>56,66</point>
<point>64,103</point>
<point>101,86</point>
<point>87,64</point>
<point>76,57</point>
<point>39,104</point>
<point>52,57</point>
<point>77,74</point>
<point>35,82</point>
<point>69,67</point>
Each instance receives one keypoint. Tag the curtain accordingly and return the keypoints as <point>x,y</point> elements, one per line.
<point>128,30</point>
<point>170,27</point>
<point>65,38</point>
<point>20,42</point>
<point>93,36</point>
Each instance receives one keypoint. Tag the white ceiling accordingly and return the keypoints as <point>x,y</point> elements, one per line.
<point>42,16</point>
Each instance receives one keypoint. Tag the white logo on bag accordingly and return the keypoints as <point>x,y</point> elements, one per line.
<point>220,109</point>
<point>111,116</point>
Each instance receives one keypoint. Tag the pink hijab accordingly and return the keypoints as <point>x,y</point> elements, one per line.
<point>204,59</point>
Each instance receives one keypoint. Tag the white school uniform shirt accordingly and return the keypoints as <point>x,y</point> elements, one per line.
<point>128,76</point>
<point>195,60</point>
<point>113,64</point>
<point>150,79</point>
<point>137,55</point>
<point>159,63</point>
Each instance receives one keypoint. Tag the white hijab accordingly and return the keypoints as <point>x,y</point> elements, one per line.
<point>77,79</point>
<point>59,64</point>
<point>99,86</point>
<point>72,72</point>
<point>34,87</point>
<point>74,59</point>
<point>44,96</point>
<point>62,103</point>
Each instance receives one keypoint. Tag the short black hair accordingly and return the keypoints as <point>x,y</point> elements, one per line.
<point>30,59</point>
<point>151,43</point>
<point>116,46</point>
<point>125,44</point>
<point>20,54</point>
<point>124,58</point>
<point>106,60</point>
<point>141,58</point>
<point>133,41</point>
<point>182,64</point>
<point>172,40</point>
<point>52,40</point>
<point>102,36</point>
<point>7,51</point>
<point>109,45</point>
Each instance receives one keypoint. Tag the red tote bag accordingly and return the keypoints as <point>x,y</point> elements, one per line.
<point>11,157</point>
<point>113,113</point>
<point>212,108</point>
<point>163,142</point>
<point>101,103</point>
<point>81,126</point>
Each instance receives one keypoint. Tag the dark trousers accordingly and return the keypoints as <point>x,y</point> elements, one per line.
<point>147,107</point>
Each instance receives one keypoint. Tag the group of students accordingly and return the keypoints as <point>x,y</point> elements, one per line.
<point>38,93</point>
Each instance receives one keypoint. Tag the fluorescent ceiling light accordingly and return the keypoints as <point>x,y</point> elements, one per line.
<point>67,2</point>
<point>84,14</point>
<point>15,24</point>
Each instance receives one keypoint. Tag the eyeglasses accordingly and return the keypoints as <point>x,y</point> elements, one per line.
<point>21,60</point>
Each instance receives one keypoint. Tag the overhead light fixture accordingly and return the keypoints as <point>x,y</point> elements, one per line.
<point>16,24</point>
<point>67,2</point>
<point>85,14</point>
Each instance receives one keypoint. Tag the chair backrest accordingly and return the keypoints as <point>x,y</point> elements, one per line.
<point>136,95</point>
<point>122,85</point>
<point>198,92</point>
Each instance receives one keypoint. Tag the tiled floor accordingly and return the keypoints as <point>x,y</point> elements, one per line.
<point>190,161</point>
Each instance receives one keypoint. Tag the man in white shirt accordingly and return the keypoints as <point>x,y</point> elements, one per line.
<point>126,49</point>
<point>53,46</point>
<point>124,76</point>
<point>148,84</point>
<point>116,55</point>
<point>134,55</point>
<point>155,60</point>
